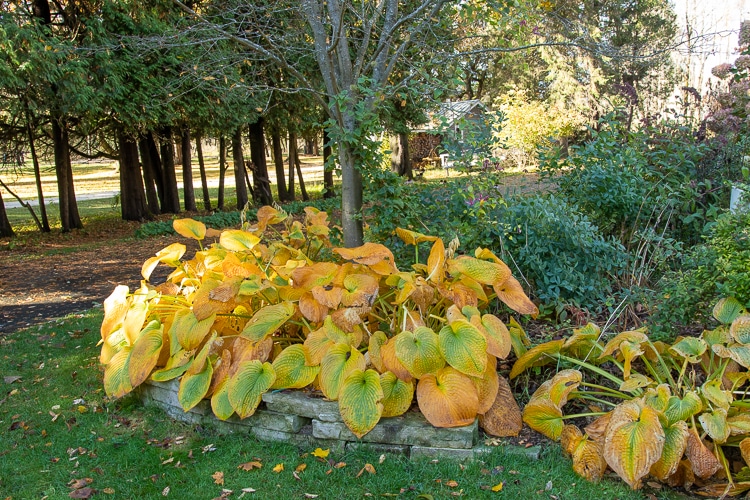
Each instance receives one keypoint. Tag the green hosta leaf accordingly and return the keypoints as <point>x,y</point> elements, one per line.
<point>337,364</point>
<point>397,394</point>
<point>237,240</point>
<point>190,332</point>
<point>715,425</point>
<point>488,273</point>
<point>658,397</point>
<point>360,401</point>
<point>682,409</point>
<point>675,442</point>
<point>464,347</point>
<point>116,377</point>
<point>418,351</point>
<point>545,417</point>
<point>518,338</point>
<point>250,285</point>
<point>220,404</point>
<point>716,395</point>
<point>292,371</point>
<point>248,384</point>
<point>145,353</point>
<point>176,366</point>
<point>740,329</point>
<point>690,348</point>
<point>727,309</point>
<point>193,387</point>
<point>267,320</point>
<point>634,441</point>
<point>719,335</point>
<point>189,228</point>
<point>737,352</point>
<point>538,355</point>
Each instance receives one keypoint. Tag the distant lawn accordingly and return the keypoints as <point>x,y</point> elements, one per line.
<point>58,428</point>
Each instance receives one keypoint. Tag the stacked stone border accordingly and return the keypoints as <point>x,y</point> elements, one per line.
<point>297,418</point>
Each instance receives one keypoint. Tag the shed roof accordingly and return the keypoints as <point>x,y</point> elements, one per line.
<point>452,112</point>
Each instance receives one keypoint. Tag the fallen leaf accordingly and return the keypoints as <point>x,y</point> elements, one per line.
<point>168,461</point>
<point>310,495</point>
<point>218,478</point>
<point>80,483</point>
<point>295,475</point>
<point>11,378</point>
<point>250,465</point>
<point>320,453</point>
<point>548,486</point>
<point>109,491</point>
<point>209,448</point>
<point>165,491</point>
<point>301,468</point>
<point>368,467</point>
<point>278,468</point>
<point>457,493</point>
<point>86,492</point>
<point>382,458</point>
<point>340,465</point>
<point>247,490</point>
<point>498,487</point>
<point>451,483</point>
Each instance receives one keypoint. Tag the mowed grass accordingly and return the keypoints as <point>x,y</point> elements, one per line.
<point>59,428</point>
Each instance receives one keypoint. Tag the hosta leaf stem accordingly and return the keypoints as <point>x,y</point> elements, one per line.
<point>613,392</point>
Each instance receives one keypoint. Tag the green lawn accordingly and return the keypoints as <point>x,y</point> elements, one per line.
<point>58,427</point>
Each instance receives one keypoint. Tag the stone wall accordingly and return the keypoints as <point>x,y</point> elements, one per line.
<point>297,418</point>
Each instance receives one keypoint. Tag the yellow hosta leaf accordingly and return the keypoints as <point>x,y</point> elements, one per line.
<point>200,359</point>
<point>360,401</point>
<point>189,228</point>
<point>518,337</point>
<point>447,398</point>
<point>739,353</point>
<point>145,353</point>
<point>539,355</point>
<point>634,441</point>
<point>504,417</point>
<point>703,462</point>
<point>511,293</point>
<point>268,215</point>
<point>418,351</point>
<point>391,362</point>
<point>170,255</point>
<point>248,384</point>
<point>237,240</point>
<point>713,392</point>
<point>675,442</point>
<point>318,274</point>
<point>413,237</point>
<point>220,404</point>
<point>629,352</point>
<point>740,329</point>
<point>176,366</point>
<point>745,450</point>
<point>498,337</point>
<point>739,424</point>
<point>464,347</point>
<point>116,377</point>
<point>559,387</point>
<point>397,395</point>
<point>487,385</point>
<point>317,345</point>
<point>193,387</point>
<point>545,417</point>
<point>292,370</point>
<point>715,425</point>
<point>727,309</point>
<point>115,308</point>
<point>134,320</point>
<point>337,364</point>
<point>267,320</point>
<point>682,409</point>
<point>488,273</point>
<point>436,262</point>
<point>635,382</point>
<point>634,337</point>
<point>658,397</point>
<point>588,459</point>
<point>190,332</point>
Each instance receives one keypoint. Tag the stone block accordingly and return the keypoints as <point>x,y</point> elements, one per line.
<point>303,440</point>
<point>449,453</point>
<point>299,403</point>
<point>271,420</point>
<point>388,449</point>
<point>409,429</point>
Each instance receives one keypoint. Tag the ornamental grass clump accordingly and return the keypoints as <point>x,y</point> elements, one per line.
<point>678,413</point>
<point>273,306</point>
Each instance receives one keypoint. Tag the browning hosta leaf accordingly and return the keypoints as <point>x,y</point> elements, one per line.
<point>545,417</point>
<point>498,337</point>
<point>739,353</point>
<point>538,355</point>
<point>690,348</point>
<point>682,409</point>
<point>391,362</point>
<point>337,364</point>
<point>292,370</point>
<point>360,401</point>
<point>447,398</point>
<point>220,404</point>
<point>317,345</point>
<point>436,262</point>
<point>715,425</point>
<point>314,311</point>
<point>598,427</point>
<point>487,385</point>
<point>318,274</point>
<point>488,273</point>
<point>632,336</point>
<point>504,417</point>
<point>397,395</point>
<point>361,290</point>
<point>169,255</point>
<point>115,308</point>
<point>268,215</point>
<point>511,293</point>
<point>587,456</point>
<point>204,305</point>
<point>463,346</point>
<point>418,351</point>
<point>193,387</point>
<point>145,353</point>
<point>559,387</point>
<point>712,391</point>
<point>246,387</point>
<point>745,450</point>
<point>189,228</point>
<point>740,329</point>
<point>634,441</point>
<point>116,376</point>
<point>189,331</point>
<point>675,442</point>
<point>727,309</point>
<point>704,463</point>
<point>237,240</point>
<point>378,257</point>
<point>413,237</point>
<point>377,340</point>
<point>267,320</point>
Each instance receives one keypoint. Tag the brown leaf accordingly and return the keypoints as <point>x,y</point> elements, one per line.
<point>703,462</point>
<point>80,483</point>
<point>368,467</point>
<point>504,416</point>
<point>86,492</point>
<point>218,478</point>
<point>11,378</point>
<point>339,465</point>
<point>250,465</point>
<point>301,468</point>
<point>451,483</point>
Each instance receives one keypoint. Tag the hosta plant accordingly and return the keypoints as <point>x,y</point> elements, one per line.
<point>273,306</point>
<point>677,413</point>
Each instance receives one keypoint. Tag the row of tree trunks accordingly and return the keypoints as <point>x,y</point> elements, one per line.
<point>261,184</point>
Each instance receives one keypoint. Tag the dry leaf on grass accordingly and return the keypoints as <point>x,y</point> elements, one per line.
<point>218,478</point>
<point>368,467</point>
<point>250,465</point>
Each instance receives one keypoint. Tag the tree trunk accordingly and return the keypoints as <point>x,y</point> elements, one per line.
<point>261,183</point>
<point>222,171</point>
<point>171,204</point>
<point>351,197</point>
<point>151,176</point>
<point>291,195</point>
<point>202,168</point>
<point>299,174</point>
<point>132,195</point>
<point>69,218</point>
<point>6,230</point>
<point>239,169</point>
<point>400,161</point>
<point>278,161</point>
<point>187,171</point>
<point>308,145</point>
<point>328,191</point>
<point>37,176</point>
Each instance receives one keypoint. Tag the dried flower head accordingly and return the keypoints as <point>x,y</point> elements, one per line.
<point>722,71</point>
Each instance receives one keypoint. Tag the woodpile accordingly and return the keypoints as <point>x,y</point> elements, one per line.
<point>423,145</point>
